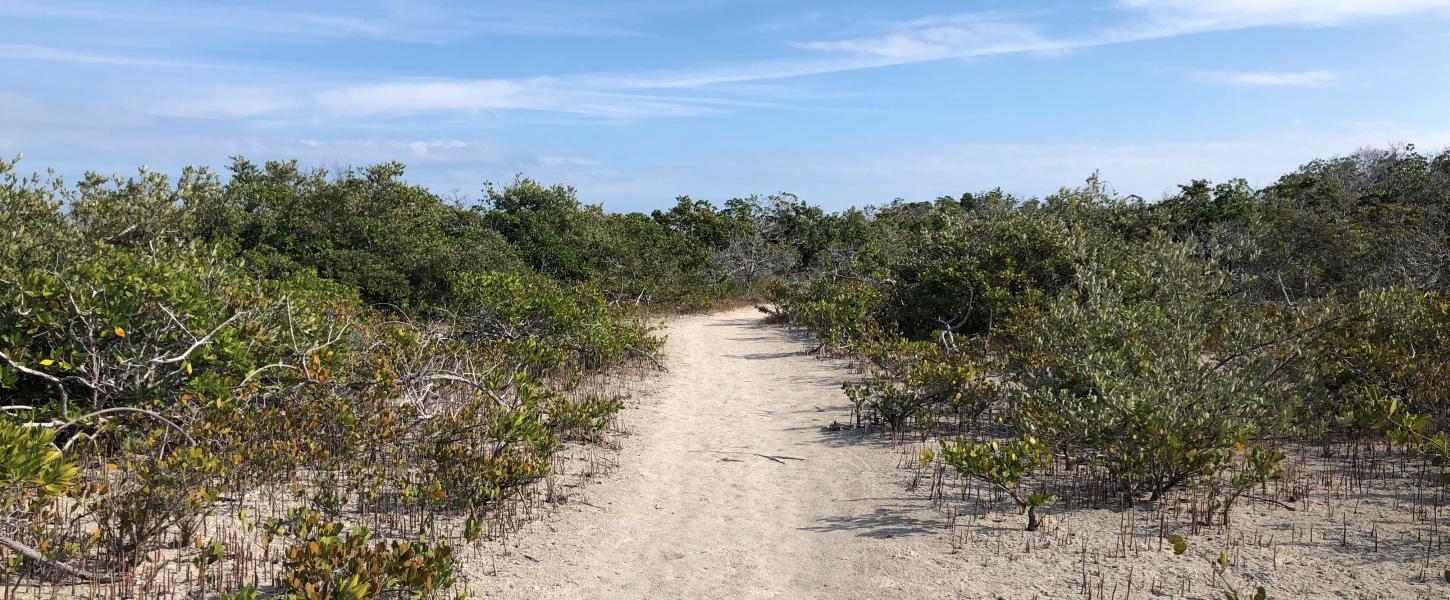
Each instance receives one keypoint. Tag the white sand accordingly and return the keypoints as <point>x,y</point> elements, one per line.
<point>697,509</point>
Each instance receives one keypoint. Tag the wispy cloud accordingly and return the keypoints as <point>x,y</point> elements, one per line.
<point>935,42</point>
<point>53,54</point>
<point>299,104</point>
<point>428,151</point>
<point>412,97</point>
<point>592,97</point>
<point>913,41</point>
<point>568,161</point>
<point>1315,78</point>
<point>778,25</point>
<point>637,94</point>
<point>985,34</point>
<point>414,21</point>
<point>1203,15</point>
<point>222,102</point>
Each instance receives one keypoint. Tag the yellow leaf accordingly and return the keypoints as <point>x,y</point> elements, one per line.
<point>188,368</point>
<point>120,332</point>
<point>47,362</point>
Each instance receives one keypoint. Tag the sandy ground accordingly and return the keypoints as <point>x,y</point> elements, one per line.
<point>727,487</point>
<point>731,484</point>
<point>729,481</point>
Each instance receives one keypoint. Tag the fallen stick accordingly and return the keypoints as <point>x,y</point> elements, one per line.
<point>36,556</point>
<point>777,458</point>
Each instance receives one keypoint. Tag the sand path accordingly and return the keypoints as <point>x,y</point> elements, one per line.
<point>728,487</point>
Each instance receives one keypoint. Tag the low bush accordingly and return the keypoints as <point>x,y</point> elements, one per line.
<point>159,374</point>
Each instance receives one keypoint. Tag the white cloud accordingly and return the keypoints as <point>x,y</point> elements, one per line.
<point>223,102</point>
<point>933,42</point>
<point>1315,78</point>
<point>433,148</point>
<point>987,34</point>
<point>409,97</point>
<point>1190,15</point>
<point>368,151</point>
<point>633,95</point>
<point>699,90</point>
<point>567,161</point>
<point>53,54</point>
<point>588,96</point>
<point>789,23</point>
<point>414,21</point>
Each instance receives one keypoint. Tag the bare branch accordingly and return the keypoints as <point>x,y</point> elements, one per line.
<point>64,399</point>
<point>35,555</point>
<point>152,414</point>
<point>199,342</point>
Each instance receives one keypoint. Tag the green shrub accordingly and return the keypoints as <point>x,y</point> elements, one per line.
<point>330,562</point>
<point>547,325</point>
<point>924,380</point>
<point>1147,367</point>
<point>1002,465</point>
<point>170,326</point>
<point>32,470</point>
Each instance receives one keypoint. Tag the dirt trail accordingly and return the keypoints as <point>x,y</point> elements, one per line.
<point>729,487</point>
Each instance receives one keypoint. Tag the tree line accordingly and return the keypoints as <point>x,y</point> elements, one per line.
<point>1163,346</point>
<point>400,369</point>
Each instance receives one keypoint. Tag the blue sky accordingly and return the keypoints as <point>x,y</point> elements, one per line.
<point>637,101</point>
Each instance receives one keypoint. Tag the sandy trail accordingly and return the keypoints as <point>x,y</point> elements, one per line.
<point>728,487</point>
